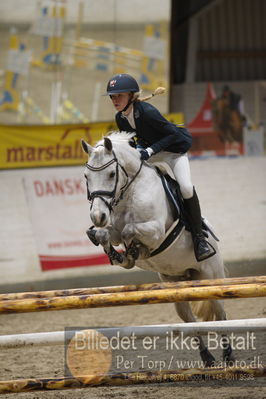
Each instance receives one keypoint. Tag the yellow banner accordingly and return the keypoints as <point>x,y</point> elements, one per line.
<point>55,145</point>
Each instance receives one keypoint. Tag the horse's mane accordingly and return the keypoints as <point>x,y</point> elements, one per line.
<point>120,136</point>
<point>117,137</point>
<point>123,145</point>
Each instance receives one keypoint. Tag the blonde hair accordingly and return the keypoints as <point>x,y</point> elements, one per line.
<point>136,96</point>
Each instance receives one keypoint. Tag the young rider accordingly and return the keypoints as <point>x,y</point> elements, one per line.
<point>161,140</point>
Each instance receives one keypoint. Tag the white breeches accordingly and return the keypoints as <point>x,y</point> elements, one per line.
<point>179,164</point>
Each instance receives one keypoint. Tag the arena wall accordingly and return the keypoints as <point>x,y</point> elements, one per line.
<point>232,193</point>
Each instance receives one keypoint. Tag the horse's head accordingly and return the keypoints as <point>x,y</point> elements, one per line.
<point>107,174</point>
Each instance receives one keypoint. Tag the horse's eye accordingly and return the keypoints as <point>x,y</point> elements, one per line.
<point>112,174</point>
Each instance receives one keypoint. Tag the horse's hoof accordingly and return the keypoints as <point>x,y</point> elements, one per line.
<point>116,256</point>
<point>207,358</point>
<point>91,233</point>
<point>228,357</point>
<point>130,265</point>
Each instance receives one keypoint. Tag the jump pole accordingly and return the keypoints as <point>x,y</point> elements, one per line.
<point>191,329</point>
<point>128,288</point>
<point>167,295</point>
<point>133,378</point>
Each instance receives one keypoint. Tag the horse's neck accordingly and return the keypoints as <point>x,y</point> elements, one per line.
<point>146,195</point>
<point>129,161</point>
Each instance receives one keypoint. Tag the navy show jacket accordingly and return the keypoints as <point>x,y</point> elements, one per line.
<point>153,130</point>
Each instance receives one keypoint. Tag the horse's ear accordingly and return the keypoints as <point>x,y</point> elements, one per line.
<point>86,147</point>
<point>108,144</point>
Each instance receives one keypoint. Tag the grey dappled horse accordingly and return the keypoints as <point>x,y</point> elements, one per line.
<point>129,207</point>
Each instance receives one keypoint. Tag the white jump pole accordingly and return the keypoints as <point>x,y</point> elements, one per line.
<point>193,329</point>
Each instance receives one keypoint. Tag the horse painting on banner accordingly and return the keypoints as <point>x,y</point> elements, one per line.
<point>227,121</point>
<point>129,207</point>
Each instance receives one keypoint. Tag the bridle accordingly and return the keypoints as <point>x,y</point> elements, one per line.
<point>111,194</point>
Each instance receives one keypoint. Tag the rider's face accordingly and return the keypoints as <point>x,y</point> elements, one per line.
<point>120,100</point>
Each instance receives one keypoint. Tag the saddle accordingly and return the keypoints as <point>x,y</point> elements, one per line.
<point>173,193</point>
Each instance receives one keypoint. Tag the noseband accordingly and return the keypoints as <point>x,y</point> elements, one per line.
<point>111,194</point>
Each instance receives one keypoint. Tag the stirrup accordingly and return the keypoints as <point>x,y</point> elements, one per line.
<point>208,254</point>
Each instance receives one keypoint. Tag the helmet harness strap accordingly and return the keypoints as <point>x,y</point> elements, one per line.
<point>131,101</point>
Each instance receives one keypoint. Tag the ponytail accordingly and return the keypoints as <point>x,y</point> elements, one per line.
<point>136,96</point>
<point>159,90</point>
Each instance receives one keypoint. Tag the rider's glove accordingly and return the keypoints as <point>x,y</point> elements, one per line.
<point>146,153</point>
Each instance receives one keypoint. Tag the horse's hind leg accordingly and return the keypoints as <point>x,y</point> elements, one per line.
<point>184,311</point>
<point>214,268</point>
<point>220,314</point>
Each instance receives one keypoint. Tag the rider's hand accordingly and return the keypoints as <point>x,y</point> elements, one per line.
<point>145,154</point>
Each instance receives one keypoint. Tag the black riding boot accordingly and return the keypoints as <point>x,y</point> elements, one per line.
<point>201,247</point>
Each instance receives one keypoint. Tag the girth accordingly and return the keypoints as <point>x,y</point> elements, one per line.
<point>170,238</point>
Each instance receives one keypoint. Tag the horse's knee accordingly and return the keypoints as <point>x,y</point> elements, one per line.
<point>102,236</point>
<point>128,233</point>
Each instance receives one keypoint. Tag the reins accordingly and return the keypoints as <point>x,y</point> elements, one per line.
<point>112,194</point>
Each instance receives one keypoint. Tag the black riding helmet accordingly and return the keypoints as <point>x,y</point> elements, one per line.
<point>121,83</point>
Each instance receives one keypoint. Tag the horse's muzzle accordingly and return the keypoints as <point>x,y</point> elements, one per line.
<point>99,219</point>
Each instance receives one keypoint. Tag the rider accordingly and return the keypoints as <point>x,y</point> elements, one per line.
<point>161,140</point>
<point>234,102</point>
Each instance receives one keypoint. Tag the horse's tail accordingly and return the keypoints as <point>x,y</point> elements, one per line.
<point>204,310</point>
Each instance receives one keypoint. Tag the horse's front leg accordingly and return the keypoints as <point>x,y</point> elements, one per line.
<point>139,238</point>
<point>107,238</point>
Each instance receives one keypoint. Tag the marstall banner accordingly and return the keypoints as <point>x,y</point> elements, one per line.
<point>59,214</point>
<point>52,145</point>
<point>55,145</point>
